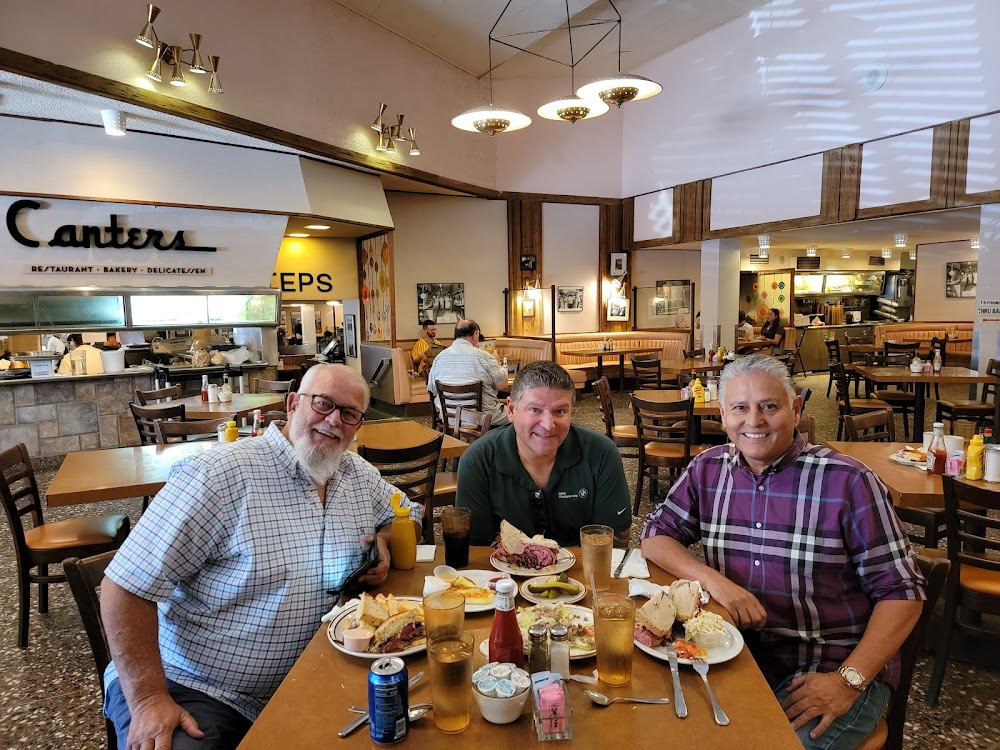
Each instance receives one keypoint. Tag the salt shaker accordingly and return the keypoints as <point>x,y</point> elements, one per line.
<point>559,649</point>
<point>992,470</point>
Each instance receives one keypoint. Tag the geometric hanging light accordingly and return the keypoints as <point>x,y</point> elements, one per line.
<point>886,252</point>
<point>811,251</point>
<point>620,88</point>
<point>572,107</point>
<point>172,54</point>
<point>899,239</point>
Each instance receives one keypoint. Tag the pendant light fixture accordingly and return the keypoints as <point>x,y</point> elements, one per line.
<point>811,251</point>
<point>623,87</point>
<point>572,107</point>
<point>899,239</point>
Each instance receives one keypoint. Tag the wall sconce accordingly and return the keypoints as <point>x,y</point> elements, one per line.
<point>114,121</point>
<point>886,252</point>
<point>913,254</point>
<point>389,134</point>
<point>974,243</point>
<point>845,253</point>
<point>811,251</point>
<point>899,239</point>
<point>171,54</point>
<point>763,244</point>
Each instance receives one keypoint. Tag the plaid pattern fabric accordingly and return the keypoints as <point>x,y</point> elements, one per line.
<point>240,556</point>
<point>462,362</point>
<point>814,538</point>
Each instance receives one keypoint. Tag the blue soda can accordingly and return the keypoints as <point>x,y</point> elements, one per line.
<point>388,700</point>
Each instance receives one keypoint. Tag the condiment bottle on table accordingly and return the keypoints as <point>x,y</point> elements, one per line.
<point>937,453</point>
<point>974,458</point>
<point>506,644</point>
<point>403,536</point>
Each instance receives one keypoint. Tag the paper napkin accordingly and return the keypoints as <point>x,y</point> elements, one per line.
<point>426,552</point>
<point>339,608</point>
<point>635,566</point>
<point>433,584</point>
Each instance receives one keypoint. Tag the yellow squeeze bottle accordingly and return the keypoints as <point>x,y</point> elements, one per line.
<point>402,537</point>
<point>232,432</point>
<point>974,458</point>
<point>698,391</point>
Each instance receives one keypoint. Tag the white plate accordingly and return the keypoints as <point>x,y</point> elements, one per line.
<point>565,559</point>
<point>482,580</point>
<point>900,459</point>
<point>563,598</point>
<point>715,655</point>
<point>581,616</point>
<point>335,632</point>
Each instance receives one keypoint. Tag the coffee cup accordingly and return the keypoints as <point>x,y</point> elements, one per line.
<point>927,439</point>
<point>954,443</point>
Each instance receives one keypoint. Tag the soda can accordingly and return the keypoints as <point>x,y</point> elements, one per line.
<point>388,700</point>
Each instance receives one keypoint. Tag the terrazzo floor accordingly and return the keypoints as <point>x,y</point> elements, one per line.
<point>50,698</point>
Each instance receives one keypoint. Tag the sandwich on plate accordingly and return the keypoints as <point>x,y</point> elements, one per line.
<point>686,596</point>
<point>398,633</point>
<point>515,547</point>
<point>654,620</point>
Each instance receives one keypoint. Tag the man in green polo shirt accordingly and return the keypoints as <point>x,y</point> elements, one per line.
<point>542,473</point>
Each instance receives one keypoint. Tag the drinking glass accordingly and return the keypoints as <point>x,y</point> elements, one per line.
<point>450,665</point>
<point>596,543</point>
<point>444,613</point>
<point>614,628</point>
<point>456,526</point>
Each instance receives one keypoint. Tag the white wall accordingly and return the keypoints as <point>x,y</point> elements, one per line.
<point>442,239</point>
<point>930,302</point>
<point>571,253</point>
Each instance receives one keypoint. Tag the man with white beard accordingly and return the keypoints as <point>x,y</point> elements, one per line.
<point>224,579</point>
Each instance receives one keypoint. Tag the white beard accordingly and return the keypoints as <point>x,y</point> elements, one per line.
<point>321,462</point>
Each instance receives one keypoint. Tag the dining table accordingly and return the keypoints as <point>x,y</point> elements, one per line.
<point>311,704</point>
<point>701,409</point>
<point>243,405</point>
<point>691,364</point>
<point>141,471</point>
<point>897,375</point>
<point>909,486</point>
<point>619,351</point>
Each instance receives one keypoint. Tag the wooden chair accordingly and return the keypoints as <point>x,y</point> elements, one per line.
<point>871,427</point>
<point>888,734</point>
<point>807,426</point>
<point>274,386</point>
<point>148,397</point>
<point>909,348</point>
<point>664,431</point>
<point>173,431</point>
<point>145,415</point>
<point>84,577</point>
<point>694,353</point>
<point>412,470</point>
<point>804,391</point>
<point>273,416</point>
<point>902,401</point>
<point>712,431</point>
<point>846,404</point>
<point>469,426</point>
<point>980,411</point>
<point>940,344</point>
<point>451,397</point>
<point>833,357</point>
<point>626,437</point>
<point>42,544</point>
<point>970,512</point>
<point>647,372</point>
<point>798,354</point>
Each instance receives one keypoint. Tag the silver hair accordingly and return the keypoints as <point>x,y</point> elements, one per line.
<point>314,372</point>
<point>542,373</point>
<point>757,364</point>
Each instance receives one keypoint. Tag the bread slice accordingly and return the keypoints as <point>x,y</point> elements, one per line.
<point>512,538</point>
<point>657,615</point>
<point>370,612</point>
<point>462,583</point>
<point>391,629</point>
<point>477,595</point>
<point>686,596</point>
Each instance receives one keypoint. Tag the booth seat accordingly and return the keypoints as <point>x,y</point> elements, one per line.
<point>959,350</point>
<point>394,384</point>
<point>522,350</point>
<point>667,344</point>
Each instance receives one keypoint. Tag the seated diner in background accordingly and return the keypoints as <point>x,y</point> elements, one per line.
<point>744,330</point>
<point>772,334</point>
<point>418,354</point>
<point>829,623</point>
<point>218,589</point>
<point>465,362</point>
<point>542,473</point>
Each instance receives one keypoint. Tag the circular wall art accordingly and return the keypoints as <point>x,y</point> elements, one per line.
<point>781,285</point>
<point>763,295</point>
<point>756,286</point>
<point>781,298</point>
<point>774,284</point>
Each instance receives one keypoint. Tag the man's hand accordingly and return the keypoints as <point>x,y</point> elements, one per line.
<point>743,607</point>
<point>818,694</point>
<point>154,720</point>
<point>376,575</point>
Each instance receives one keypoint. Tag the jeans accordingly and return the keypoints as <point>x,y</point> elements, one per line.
<point>223,725</point>
<point>849,729</point>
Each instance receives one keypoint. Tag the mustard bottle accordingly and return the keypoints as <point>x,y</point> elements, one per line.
<point>698,391</point>
<point>974,458</point>
<point>232,433</point>
<point>402,536</point>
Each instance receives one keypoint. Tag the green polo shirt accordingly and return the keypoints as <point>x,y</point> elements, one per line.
<point>587,485</point>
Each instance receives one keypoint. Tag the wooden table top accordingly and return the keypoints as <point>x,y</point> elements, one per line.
<point>707,409</point>
<point>619,351</point>
<point>689,364</point>
<point>242,405</point>
<point>120,473</point>
<point>311,704</point>
<point>948,374</point>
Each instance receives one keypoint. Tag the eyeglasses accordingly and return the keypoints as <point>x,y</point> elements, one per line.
<point>323,405</point>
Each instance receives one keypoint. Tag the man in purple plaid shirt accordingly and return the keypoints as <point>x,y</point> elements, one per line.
<point>801,545</point>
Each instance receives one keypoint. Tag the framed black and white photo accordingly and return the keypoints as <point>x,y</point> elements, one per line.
<point>440,303</point>
<point>673,302</point>
<point>619,263</point>
<point>960,279</point>
<point>529,262</point>
<point>350,336</point>
<point>617,308</point>
<point>569,298</point>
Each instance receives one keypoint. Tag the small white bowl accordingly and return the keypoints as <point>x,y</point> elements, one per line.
<point>501,710</point>
<point>712,640</point>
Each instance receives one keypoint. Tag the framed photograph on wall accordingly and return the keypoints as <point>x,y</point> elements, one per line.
<point>619,263</point>
<point>527,308</point>
<point>960,279</point>
<point>350,336</point>
<point>529,262</point>
<point>569,298</point>
<point>617,308</point>
<point>440,303</point>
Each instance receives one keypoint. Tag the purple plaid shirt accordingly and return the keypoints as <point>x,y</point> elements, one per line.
<point>814,538</point>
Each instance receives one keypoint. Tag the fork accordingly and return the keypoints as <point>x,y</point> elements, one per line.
<point>701,667</point>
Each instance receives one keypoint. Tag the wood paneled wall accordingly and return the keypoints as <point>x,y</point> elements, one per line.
<point>524,238</point>
<point>611,240</point>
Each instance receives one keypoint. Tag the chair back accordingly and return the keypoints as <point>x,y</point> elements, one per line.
<point>887,360</point>
<point>901,347</point>
<point>274,386</point>
<point>19,492</point>
<point>603,392</point>
<point>172,431</point>
<point>664,422</point>
<point>805,392</point>
<point>861,338</point>
<point>990,389</point>
<point>973,532</point>
<point>273,416</point>
<point>647,372</point>
<point>470,424</point>
<point>941,344</point>
<point>692,353</point>
<point>807,426</point>
<point>411,470</point>
<point>840,380</point>
<point>871,427</point>
<point>84,577</point>
<point>451,397</point>
<point>833,350</point>
<point>148,397</point>
<point>145,415</point>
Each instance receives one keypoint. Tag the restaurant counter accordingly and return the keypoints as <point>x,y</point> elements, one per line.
<point>813,348</point>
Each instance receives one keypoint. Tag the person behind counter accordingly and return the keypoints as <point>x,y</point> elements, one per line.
<point>111,342</point>
<point>90,354</point>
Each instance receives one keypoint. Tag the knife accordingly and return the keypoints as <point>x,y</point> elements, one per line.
<point>621,565</point>
<point>361,720</point>
<point>680,707</point>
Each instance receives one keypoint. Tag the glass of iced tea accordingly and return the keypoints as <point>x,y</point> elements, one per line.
<point>596,541</point>
<point>444,613</point>
<point>456,528</point>
<point>614,628</point>
<point>450,665</point>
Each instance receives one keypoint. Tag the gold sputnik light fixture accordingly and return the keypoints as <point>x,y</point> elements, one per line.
<point>388,135</point>
<point>174,55</point>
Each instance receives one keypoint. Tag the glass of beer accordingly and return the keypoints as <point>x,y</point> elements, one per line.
<point>444,613</point>
<point>455,526</point>
<point>614,627</point>
<point>596,542</point>
<point>450,666</point>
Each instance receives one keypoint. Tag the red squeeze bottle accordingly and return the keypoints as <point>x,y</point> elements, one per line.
<point>506,644</point>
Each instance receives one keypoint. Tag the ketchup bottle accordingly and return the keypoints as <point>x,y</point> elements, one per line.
<point>506,644</point>
<point>937,453</point>
<point>204,388</point>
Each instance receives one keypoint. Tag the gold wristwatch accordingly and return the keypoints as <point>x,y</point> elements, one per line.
<point>852,677</point>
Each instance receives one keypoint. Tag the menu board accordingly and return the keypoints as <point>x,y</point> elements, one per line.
<point>808,283</point>
<point>242,309</point>
<point>168,310</point>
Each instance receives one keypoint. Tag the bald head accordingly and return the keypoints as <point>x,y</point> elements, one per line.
<point>466,329</point>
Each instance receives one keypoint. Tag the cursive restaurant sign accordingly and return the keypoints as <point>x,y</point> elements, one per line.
<point>110,236</point>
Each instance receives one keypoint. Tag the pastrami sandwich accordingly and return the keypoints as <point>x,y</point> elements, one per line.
<point>517,548</point>
<point>654,620</point>
<point>398,633</point>
<point>686,596</point>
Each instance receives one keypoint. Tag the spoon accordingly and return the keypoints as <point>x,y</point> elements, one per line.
<point>602,700</point>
